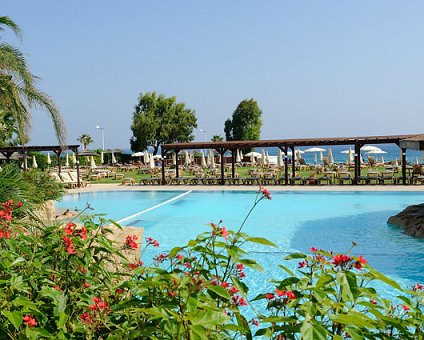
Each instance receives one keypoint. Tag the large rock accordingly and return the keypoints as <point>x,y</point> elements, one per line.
<point>411,220</point>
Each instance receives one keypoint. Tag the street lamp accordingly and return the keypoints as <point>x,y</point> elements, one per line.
<point>206,139</point>
<point>103,136</point>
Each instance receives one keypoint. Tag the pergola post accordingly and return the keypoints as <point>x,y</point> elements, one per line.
<point>221,152</point>
<point>293,161</point>
<point>233,170</point>
<point>403,166</point>
<point>163,165</point>
<point>177,172</point>
<point>357,168</point>
<point>57,152</point>
<point>78,168</point>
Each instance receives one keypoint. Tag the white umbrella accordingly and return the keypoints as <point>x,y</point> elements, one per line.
<point>263,160</point>
<point>93,163</point>
<point>113,158</point>
<point>376,152</point>
<point>382,159</point>
<point>137,154</point>
<point>361,160</point>
<point>34,163</point>
<point>267,158</point>
<point>241,155</point>
<point>366,148</point>
<point>315,150</point>
<point>146,158</point>
<point>174,159</point>
<point>417,162</point>
<point>186,158</point>
<point>252,157</point>
<point>102,157</point>
<point>151,161</point>
<point>238,158</point>
<point>254,154</point>
<point>330,157</point>
<point>212,165</point>
<point>321,156</point>
<point>280,158</point>
<point>350,156</point>
<point>315,158</point>
<point>203,161</point>
<point>67,160</point>
<point>396,162</point>
<point>49,161</point>
<point>74,158</point>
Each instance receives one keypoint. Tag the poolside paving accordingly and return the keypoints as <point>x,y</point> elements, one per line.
<point>374,188</point>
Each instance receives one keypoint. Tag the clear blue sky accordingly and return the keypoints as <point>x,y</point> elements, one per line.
<point>316,68</point>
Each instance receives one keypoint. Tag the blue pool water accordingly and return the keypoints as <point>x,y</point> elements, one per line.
<point>295,221</point>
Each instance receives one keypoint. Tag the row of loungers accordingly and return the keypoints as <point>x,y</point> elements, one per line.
<point>69,179</point>
<point>372,179</point>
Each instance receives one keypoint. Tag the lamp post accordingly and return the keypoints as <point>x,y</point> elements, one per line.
<point>103,136</point>
<point>206,139</point>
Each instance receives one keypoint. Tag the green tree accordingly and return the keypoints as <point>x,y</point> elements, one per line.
<point>85,139</point>
<point>19,94</point>
<point>246,122</point>
<point>217,138</point>
<point>158,120</point>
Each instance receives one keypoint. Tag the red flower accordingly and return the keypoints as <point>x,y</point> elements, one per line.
<point>269,296</point>
<point>242,302</point>
<point>29,320</point>
<point>70,227</point>
<point>130,241</point>
<point>225,284</point>
<point>233,290</point>
<point>71,250</point>
<point>152,241</point>
<point>291,295</point>
<point>87,285</point>
<point>339,260</point>
<point>418,286</point>
<point>86,318</point>
<point>280,292</point>
<point>57,288</point>
<point>171,293</point>
<point>302,264</point>
<point>254,322</point>
<point>405,308</point>
<point>224,233</point>
<point>180,257</point>
<point>19,204</point>
<point>266,193</point>
<point>373,302</point>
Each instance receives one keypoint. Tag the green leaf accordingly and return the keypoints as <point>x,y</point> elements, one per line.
<point>14,317</point>
<point>353,318</point>
<point>209,318</point>
<point>221,291</point>
<point>287,270</point>
<point>295,256</point>
<point>313,331</point>
<point>261,240</point>
<point>349,286</point>
<point>384,278</point>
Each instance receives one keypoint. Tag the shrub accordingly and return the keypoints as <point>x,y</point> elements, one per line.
<point>55,283</point>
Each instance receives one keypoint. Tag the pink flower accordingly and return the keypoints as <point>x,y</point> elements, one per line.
<point>302,264</point>
<point>224,233</point>
<point>313,249</point>
<point>265,193</point>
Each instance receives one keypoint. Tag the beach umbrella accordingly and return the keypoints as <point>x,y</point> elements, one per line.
<point>267,158</point>
<point>146,158</point>
<point>34,163</point>
<point>330,157</point>
<point>263,160</point>
<point>67,160</point>
<point>92,163</point>
<point>315,149</point>
<point>350,157</point>
<point>113,158</point>
<point>367,148</point>
<point>280,158</point>
<point>137,154</point>
<point>238,158</point>
<point>186,158</point>
<point>174,159</point>
<point>321,156</point>
<point>376,152</point>
<point>252,158</point>
<point>396,162</point>
<point>417,162</point>
<point>203,161</point>
<point>73,158</point>
<point>102,158</point>
<point>49,160</point>
<point>315,158</point>
<point>151,162</point>
<point>212,158</point>
<point>241,155</point>
<point>361,160</point>
<point>382,159</point>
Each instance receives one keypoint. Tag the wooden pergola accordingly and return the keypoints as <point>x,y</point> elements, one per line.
<point>7,152</point>
<point>285,144</point>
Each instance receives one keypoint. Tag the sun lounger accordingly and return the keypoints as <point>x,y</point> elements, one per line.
<point>74,177</point>
<point>387,175</point>
<point>344,177</point>
<point>68,181</point>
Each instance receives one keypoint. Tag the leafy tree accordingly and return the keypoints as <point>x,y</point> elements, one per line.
<point>246,122</point>
<point>217,138</point>
<point>19,94</point>
<point>85,139</point>
<point>158,120</point>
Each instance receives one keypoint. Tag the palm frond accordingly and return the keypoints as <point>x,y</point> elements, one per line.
<point>9,23</point>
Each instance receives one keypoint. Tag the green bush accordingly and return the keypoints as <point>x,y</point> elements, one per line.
<point>54,283</point>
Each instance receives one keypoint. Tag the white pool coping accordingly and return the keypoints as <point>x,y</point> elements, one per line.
<point>271,188</point>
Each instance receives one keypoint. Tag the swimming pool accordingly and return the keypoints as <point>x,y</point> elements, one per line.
<point>295,221</point>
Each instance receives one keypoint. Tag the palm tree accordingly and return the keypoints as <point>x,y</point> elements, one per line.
<point>217,138</point>
<point>85,139</point>
<point>19,94</point>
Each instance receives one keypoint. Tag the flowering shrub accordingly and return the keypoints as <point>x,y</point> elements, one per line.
<point>55,282</point>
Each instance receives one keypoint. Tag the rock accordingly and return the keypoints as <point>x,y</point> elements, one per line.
<point>411,220</point>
